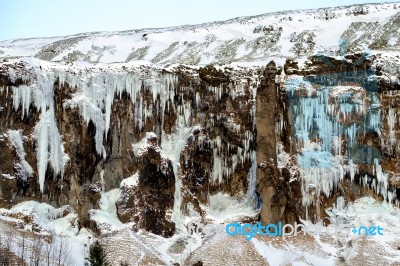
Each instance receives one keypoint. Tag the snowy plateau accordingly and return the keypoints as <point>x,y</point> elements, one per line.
<point>133,137</point>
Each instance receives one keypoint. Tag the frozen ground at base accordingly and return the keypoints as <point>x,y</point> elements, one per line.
<point>315,250</point>
<point>217,248</point>
<point>53,226</point>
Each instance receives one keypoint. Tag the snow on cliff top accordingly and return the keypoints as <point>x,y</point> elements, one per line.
<point>246,39</point>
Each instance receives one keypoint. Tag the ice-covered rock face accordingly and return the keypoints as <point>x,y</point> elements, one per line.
<point>151,147</point>
<point>285,140</point>
<point>343,126</point>
<point>84,130</point>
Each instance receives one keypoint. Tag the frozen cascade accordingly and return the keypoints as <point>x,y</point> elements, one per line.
<point>50,149</point>
<point>96,94</point>
<point>217,91</point>
<point>252,177</point>
<point>374,114</point>
<point>221,167</point>
<point>251,193</point>
<point>381,179</point>
<point>340,204</point>
<point>23,168</point>
<point>94,97</point>
<point>223,164</point>
<point>49,146</point>
<point>391,119</point>
<point>389,141</point>
<point>173,144</point>
<point>236,89</point>
<point>322,118</point>
<point>227,157</point>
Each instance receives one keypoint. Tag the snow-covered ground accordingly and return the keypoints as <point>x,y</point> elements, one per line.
<point>215,247</point>
<point>55,229</point>
<point>339,249</point>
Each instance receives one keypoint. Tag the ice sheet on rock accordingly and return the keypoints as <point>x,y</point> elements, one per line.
<point>322,118</point>
<point>223,207</point>
<point>45,216</point>
<point>8,176</point>
<point>23,168</point>
<point>106,218</point>
<point>282,156</point>
<point>251,191</point>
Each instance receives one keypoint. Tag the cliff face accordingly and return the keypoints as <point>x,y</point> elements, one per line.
<point>341,125</point>
<point>181,137</point>
<point>188,142</point>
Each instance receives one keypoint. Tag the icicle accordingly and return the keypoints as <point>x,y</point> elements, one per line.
<point>22,97</point>
<point>218,168</point>
<point>110,89</point>
<point>103,189</point>
<point>139,113</point>
<point>352,170</point>
<point>197,99</point>
<point>49,147</point>
<point>339,206</point>
<point>391,120</point>
<point>252,177</point>
<point>320,120</point>
<point>381,183</point>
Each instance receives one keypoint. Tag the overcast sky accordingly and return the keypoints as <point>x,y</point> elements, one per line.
<point>41,18</point>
